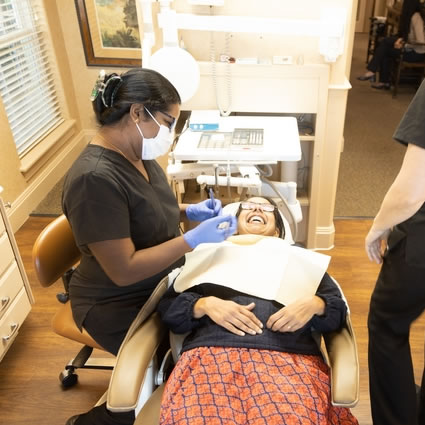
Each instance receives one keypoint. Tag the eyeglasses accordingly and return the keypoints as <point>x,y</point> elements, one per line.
<point>173,120</point>
<point>253,206</point>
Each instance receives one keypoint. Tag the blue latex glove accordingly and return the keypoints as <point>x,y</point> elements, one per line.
<point>215,229</point>
<point>204,210</point>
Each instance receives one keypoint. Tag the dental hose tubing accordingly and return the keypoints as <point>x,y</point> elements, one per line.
<point>263,177</point>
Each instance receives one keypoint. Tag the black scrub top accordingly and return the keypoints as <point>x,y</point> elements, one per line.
<point>411,130</point>
<point>104,198</point>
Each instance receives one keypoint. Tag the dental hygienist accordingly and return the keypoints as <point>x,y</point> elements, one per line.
<point>123,214</point>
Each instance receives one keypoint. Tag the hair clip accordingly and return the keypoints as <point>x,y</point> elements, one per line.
<point>103,90</point>
<point>99,85</point>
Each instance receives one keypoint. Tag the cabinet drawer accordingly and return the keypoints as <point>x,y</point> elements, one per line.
<point>10,284</point>
<point>12,321</point>
<point>6,253</point>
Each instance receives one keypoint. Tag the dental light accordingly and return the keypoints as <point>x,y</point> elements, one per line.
<point>173,62</point>
<point>184,73</point>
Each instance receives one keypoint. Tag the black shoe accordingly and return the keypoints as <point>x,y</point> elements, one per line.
<point>381,86</point>
<point>367,77</point>
<point>72,420</point>
<point>100,415</point>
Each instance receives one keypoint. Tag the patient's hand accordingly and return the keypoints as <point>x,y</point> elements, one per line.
<point>294,316</point>
<point>234,317</point>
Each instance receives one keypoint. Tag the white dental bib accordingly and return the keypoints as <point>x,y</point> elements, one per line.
<point>262,266</point>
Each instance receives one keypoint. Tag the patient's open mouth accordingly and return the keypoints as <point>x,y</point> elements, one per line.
<point>256,219</point>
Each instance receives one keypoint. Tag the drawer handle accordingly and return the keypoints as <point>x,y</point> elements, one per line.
<point>4,303</point>
<point>7,205</point>
<point>13,329</point>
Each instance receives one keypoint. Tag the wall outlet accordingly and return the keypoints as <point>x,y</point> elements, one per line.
<point>282,60</point>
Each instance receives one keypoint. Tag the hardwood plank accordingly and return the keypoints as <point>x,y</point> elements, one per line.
<point>30,391</point>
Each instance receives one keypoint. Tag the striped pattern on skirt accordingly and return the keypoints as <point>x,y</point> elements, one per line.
<point>240,386</point>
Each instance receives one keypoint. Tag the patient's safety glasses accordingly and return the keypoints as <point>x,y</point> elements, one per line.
<point>253,206</point>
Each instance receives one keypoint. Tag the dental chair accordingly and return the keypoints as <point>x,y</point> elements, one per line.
<point>132,375</point>
<point>54,256</point>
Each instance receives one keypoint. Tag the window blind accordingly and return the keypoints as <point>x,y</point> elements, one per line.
<point>26,78</point>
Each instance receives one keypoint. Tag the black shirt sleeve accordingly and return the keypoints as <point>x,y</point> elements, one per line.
<point>335,309</point>
<point>176,310</point>
<point>412,126</point>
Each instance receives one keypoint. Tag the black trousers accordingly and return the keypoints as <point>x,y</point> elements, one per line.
<point>397,300</point>
<point>109,330</point>
<point>384,55</point>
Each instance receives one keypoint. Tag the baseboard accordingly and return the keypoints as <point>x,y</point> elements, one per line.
<point>29,199</point>
<point>323,238</point>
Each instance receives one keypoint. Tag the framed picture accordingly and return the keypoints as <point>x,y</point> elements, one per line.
<point>110,32</point>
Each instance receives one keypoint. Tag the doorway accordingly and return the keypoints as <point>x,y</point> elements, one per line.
<point>365,10</point>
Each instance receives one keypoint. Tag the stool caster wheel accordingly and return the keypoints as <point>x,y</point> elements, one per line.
<point>68,378</point>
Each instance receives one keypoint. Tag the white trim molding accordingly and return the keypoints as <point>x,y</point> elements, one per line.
<point>22,207</point>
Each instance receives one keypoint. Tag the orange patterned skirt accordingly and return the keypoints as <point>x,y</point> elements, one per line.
<point>240,386</point>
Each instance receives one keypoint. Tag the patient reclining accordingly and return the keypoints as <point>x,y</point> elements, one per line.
<point>255,350</point>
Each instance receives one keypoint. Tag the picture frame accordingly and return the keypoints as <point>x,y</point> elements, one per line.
<point>105,45</point>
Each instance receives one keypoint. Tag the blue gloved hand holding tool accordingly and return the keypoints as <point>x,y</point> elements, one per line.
<point>216,229</point>
<point>204,210</point>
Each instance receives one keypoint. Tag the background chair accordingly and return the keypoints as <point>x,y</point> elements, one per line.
<point>402,70</point>
<point>406,71</point>
<point>54,256</point>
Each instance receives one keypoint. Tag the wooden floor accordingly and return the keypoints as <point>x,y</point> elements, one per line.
<point>30,392</point>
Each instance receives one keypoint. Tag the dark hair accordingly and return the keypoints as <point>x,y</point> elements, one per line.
<point>277,216</point>
<point>139,85</point>
<point>409,8</point>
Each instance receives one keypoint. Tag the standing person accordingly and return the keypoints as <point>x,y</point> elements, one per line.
<point>123,213</point>
<point>397,240</point>
<point>410,32</point>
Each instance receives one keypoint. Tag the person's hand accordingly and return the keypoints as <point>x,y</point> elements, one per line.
<point>236,318</point>
<point>399,43</point>
<point>215,229</point>
<point>204,210</point>
<point>376,243</point>
<point>294,316</point>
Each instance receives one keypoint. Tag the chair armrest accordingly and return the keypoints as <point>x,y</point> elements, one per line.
<point>343,359</point>
<point>132,363</point>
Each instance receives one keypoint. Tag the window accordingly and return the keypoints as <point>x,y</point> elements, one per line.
<point>26,78</point>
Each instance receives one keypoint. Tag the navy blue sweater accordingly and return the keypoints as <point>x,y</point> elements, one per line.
<point>176,311</point>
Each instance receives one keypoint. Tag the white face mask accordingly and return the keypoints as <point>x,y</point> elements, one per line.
<point>156,146</point>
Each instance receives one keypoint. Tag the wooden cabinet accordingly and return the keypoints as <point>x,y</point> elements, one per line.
<point>15,292</point>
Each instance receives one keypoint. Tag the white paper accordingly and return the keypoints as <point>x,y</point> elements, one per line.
<point>265,267</point>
